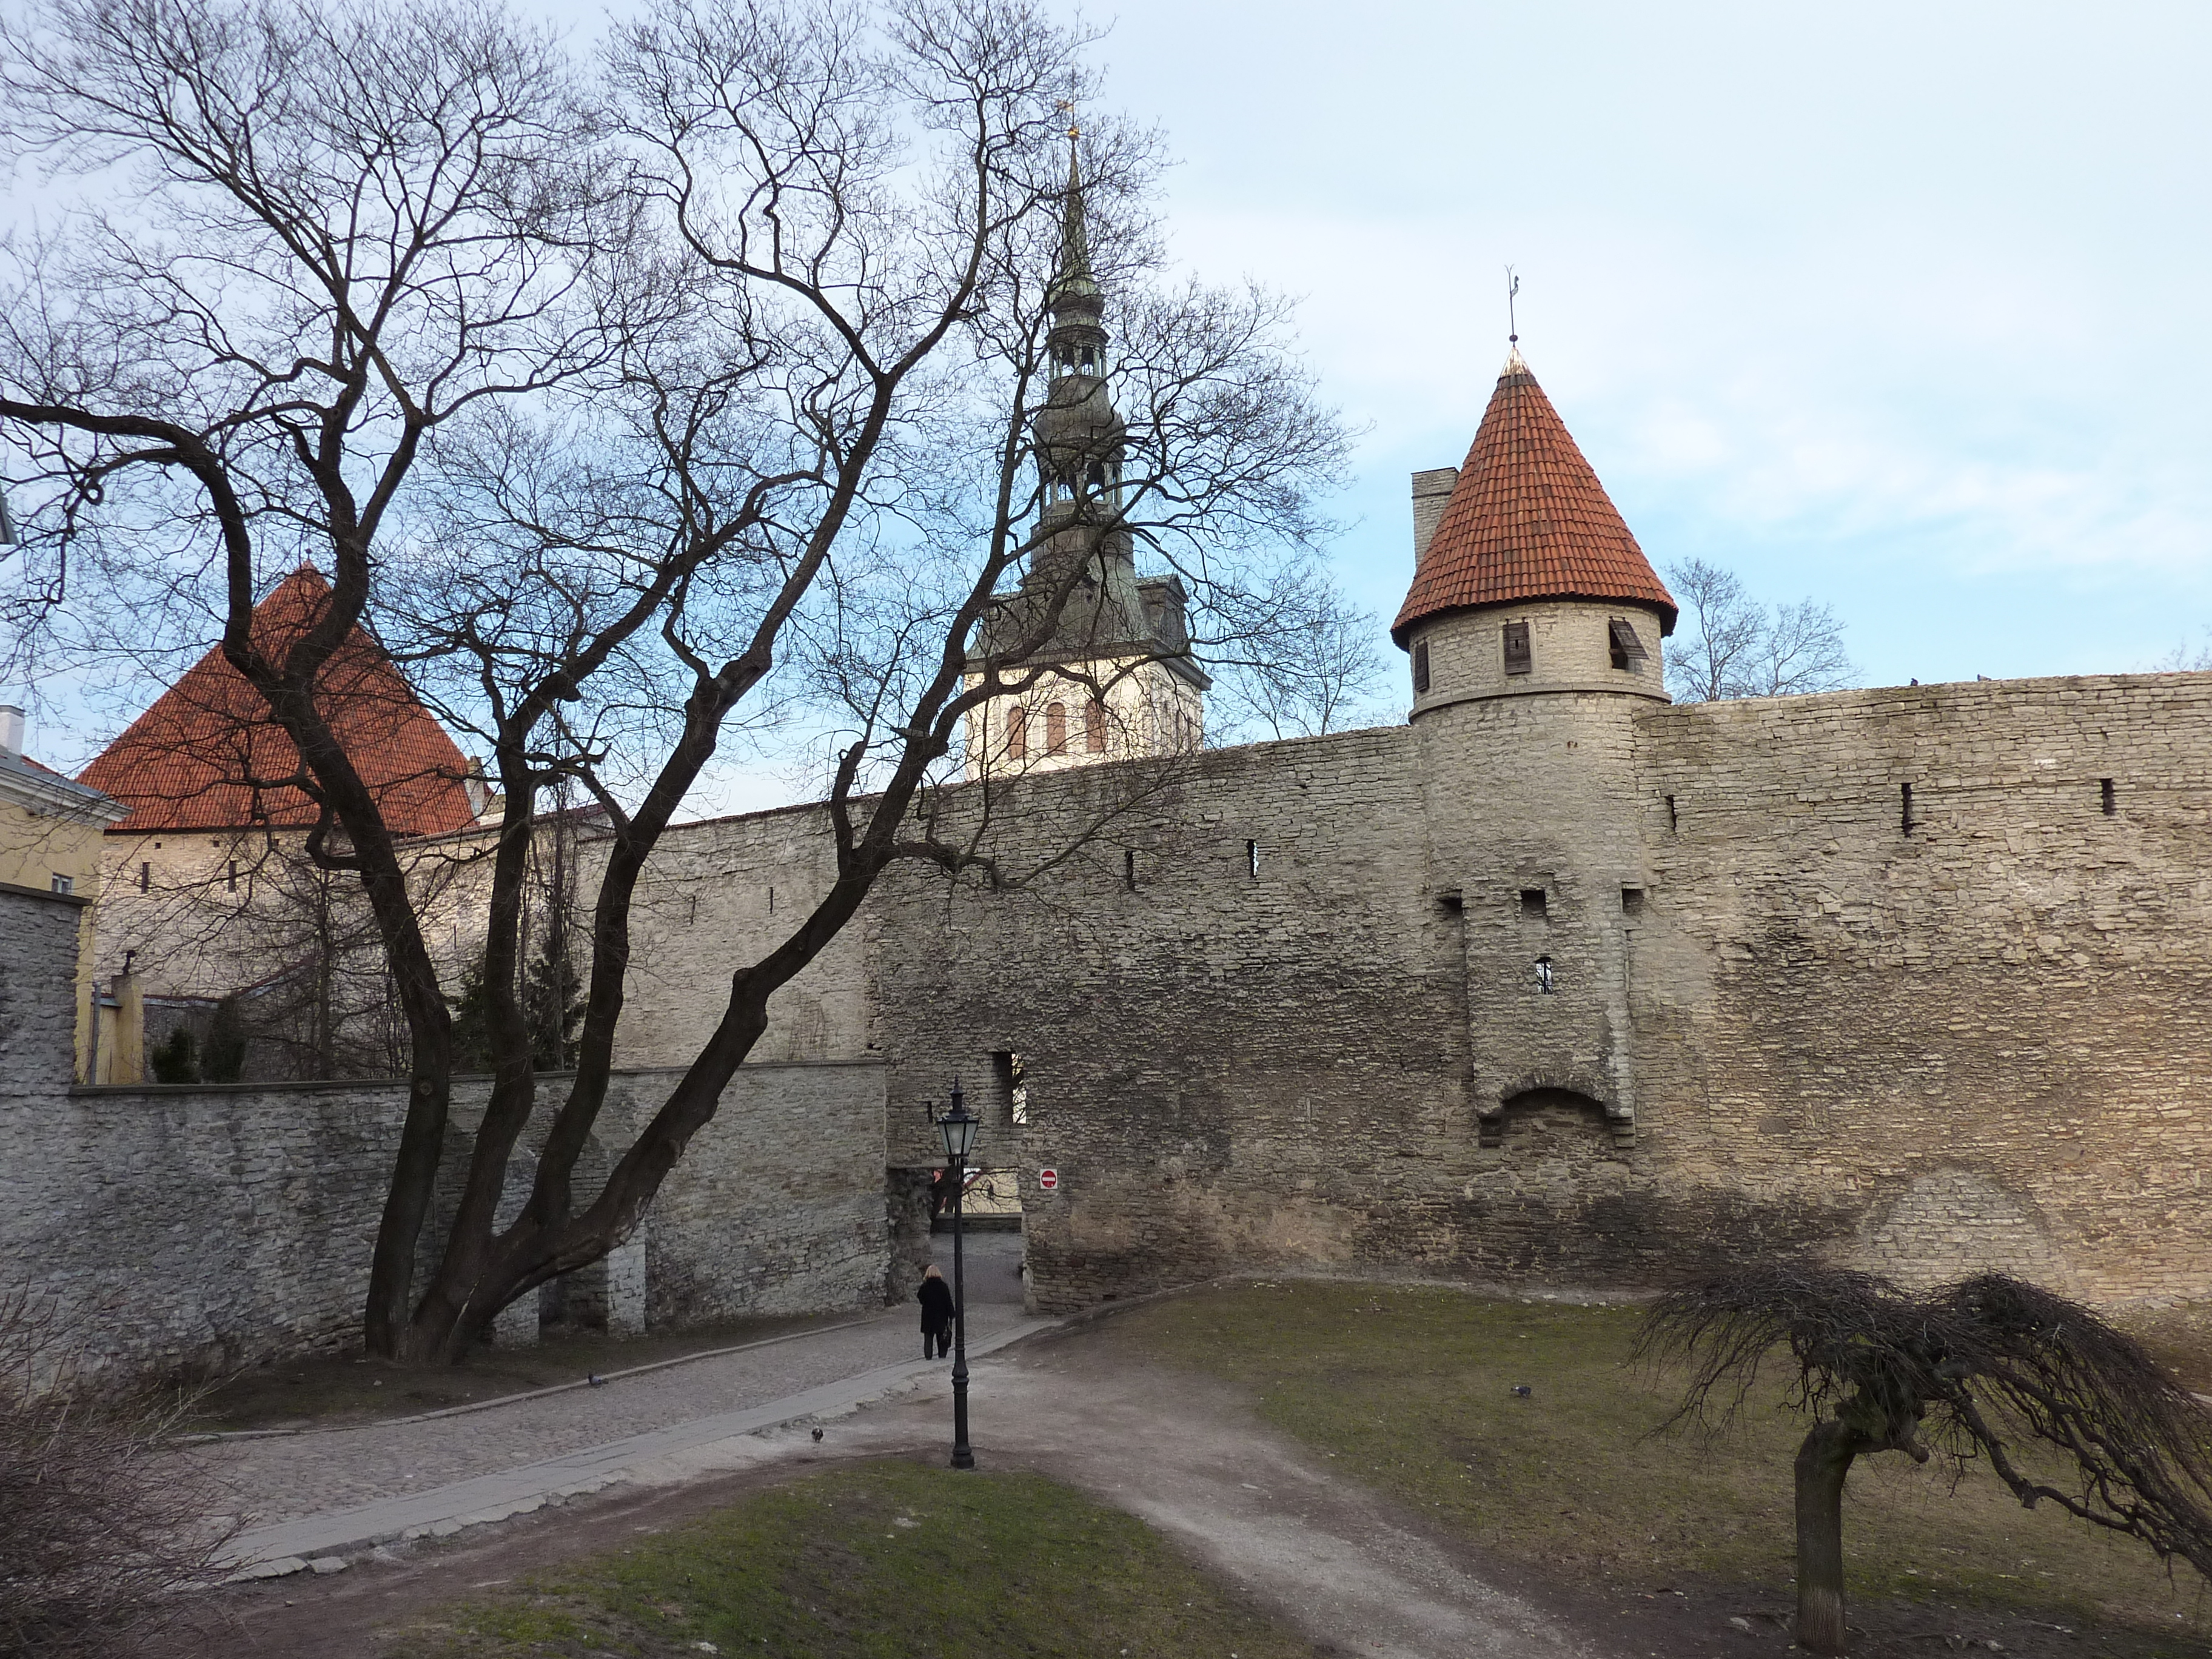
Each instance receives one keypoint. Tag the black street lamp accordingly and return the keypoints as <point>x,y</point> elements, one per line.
<point>959,1127</point>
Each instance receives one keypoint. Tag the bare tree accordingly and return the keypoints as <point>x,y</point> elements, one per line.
<point>1735,647</point>
<point>1303,661</point>
<point>629,421</point>
<point>1983,1368</point>
<point>2183,660</point>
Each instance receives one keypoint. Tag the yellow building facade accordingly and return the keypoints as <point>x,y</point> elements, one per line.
<point>52,836</point>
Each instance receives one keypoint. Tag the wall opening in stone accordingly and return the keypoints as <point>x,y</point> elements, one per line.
<point>2109,800</point>
<point>1550,1124</point>
<point>1011,1085</point>
<point>1533,903</point>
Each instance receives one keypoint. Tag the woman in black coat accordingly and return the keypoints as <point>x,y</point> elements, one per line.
<point>936,1298</point>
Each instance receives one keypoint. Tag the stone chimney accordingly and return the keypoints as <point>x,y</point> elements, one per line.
<point>11,731</point>
<point>1431,491</point>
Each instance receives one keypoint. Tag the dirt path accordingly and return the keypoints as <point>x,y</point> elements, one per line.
<point>1182,1452</point>
<point>1356,1574</point>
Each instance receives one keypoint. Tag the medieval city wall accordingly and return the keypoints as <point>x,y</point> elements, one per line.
<point>1978,1044</point>
<point>1979,1040</point>
<point>717,895</point>
<point>208,1226</point>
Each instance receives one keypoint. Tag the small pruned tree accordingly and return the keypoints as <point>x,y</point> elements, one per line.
<point>1987,1368</point>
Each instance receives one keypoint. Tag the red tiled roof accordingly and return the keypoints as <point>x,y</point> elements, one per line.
<point>1527,520</point>
<point>206,756</point>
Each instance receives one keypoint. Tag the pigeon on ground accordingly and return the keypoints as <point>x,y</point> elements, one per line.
<point>1522,1391</point>
<point>817,1436</point>
<point>595,1379</point>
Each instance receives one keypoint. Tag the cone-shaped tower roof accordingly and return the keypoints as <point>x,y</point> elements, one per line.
<point>1527,520</point>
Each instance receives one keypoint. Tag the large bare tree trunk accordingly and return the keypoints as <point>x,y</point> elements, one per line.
<point>1823,1462</point>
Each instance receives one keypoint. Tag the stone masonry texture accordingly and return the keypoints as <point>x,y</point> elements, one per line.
<point>1283,1011</point>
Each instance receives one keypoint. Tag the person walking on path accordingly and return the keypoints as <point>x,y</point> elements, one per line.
<point>936,1298</point>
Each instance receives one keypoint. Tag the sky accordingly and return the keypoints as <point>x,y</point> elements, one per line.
<point>1900,308</point>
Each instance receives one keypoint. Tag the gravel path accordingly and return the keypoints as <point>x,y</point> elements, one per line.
<point>288,1477</point>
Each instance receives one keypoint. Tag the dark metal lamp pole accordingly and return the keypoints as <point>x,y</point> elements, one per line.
<point>959,1127</point>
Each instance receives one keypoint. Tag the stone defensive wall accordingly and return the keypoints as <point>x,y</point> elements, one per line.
<point>195,1227</point>
<point>1289,1016</point>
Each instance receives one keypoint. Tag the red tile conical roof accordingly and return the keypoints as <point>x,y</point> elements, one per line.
<point>1527,520</point>
<point>207,755</point>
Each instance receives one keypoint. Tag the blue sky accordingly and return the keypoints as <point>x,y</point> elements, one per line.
<point>1902,308</point>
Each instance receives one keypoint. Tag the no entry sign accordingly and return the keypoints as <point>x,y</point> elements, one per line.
<point>1048,1179</point>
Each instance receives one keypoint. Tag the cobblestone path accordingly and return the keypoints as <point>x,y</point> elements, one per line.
<point>288,1477</point>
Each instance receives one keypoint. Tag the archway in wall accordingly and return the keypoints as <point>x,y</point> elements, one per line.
<point>1551,1123</point>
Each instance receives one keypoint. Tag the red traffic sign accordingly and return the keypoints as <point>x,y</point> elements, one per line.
<point>1048,1179</point>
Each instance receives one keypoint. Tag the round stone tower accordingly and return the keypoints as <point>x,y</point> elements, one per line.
<point>1535,626</point>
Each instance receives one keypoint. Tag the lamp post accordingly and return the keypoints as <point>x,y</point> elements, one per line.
<point>959,1127</point>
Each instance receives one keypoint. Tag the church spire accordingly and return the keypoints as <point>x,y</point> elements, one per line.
<point>1078,432</point>
<point>1072,280</point>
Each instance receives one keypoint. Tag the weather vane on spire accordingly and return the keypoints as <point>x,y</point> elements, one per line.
<point>1512,324</point>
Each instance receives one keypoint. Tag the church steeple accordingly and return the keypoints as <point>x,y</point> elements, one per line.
<point>1119,681</point>
<point>1079,431</point>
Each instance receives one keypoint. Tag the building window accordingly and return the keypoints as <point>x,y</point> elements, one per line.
<point>1627,650</point>
<point>1094,726</point>
<point>1516,648</point>
<point>233,875</point>
<point>1631,901</point>
<point>1532,903</point>
<point>1018,733</point>
<point>1055,728</point>
<point>145,877</point>
<point>1420,666</point>
<point>64,884</point>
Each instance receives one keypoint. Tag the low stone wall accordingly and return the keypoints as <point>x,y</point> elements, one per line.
<point>207,1226</point>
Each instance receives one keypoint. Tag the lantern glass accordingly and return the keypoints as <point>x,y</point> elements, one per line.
<point>959,1127</point>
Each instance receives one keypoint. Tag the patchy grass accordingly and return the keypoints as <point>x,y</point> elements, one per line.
<point>869,1562</point>
<point>329,1390</point>
<point>1411,1388</point>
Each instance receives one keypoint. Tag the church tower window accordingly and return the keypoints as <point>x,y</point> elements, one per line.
<point>1018,733</point>
<point>1094,726</point>
<point>1055,728</point>
<point>1420,666</point>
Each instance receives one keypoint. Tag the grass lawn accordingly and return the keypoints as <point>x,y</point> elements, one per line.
<point>1412,1389</point>
<point>885,1559</point>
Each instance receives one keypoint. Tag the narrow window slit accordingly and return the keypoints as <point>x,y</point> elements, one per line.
<point>2111,803</point>
<point>1252,859</point>
<point>1129,868</point>
<point>1905,813</point>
